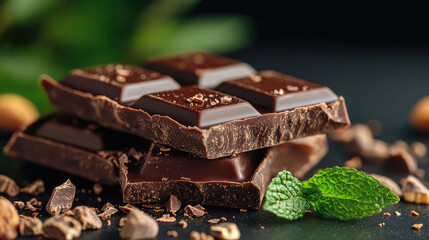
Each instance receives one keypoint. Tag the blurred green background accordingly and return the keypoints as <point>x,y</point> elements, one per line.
<point>55,36</point>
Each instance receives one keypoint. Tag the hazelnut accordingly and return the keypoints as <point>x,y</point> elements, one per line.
<point>419,116</point>
<point>16,112</point>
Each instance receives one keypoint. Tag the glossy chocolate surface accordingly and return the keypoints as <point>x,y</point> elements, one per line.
<point>194,106</point>
<point>122,83</point>
<point>203,69</point>
<point>164,163</point>
<point>277,92</point>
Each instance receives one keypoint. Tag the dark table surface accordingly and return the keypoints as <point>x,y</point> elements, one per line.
<point>381,83</point>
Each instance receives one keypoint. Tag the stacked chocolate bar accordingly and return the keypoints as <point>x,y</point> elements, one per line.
<point>205,128</point>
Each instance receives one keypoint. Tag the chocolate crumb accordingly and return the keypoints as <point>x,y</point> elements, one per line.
<point>216,220</point>
<point>62,198</point>
<point>122,221</point>
<point>414,213</point>
<point>87,218</point>
<point>173,205</point>
<point>61,227</point>
<point>98,199</point>
<point>8,186</point>
<point>35,188</point>
<point>19,204</point>
<point>200,236</point>
<point>172,234</point>
<point>109,222</point>
<point>417,226</point>
<point>139,225</point>
<point>397,213</point>
<point>127,208</point>
<point>225,230</point>
<point>166,218</point>
<point>380,225</point>
<point>243,210</point>
<point>98,189</point>
<point>183,224</point>
<point>387,214</point>
<point>30,226</point>
<point>30,206</point>
<point>194,211</point>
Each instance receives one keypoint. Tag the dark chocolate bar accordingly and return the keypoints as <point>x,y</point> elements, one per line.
<point>225,139</point>
<point>122,83</point>
<point>277,92</point>
<point>202,69</point>
<point>238,181</point>
<point>71,145</point>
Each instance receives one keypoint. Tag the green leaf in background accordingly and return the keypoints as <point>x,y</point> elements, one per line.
<point>284,197</point>
<point>345,194</point>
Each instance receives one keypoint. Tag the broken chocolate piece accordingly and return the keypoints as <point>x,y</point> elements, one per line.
<point>126,209</point>
<point>400,160</point>
<point>62,198</point>
<point>200,236</point>
<point>87,218</point>
<point>122,83</point>
<point>108,210</point>
<point>225,230</point>
<point>107,206</point>
<point>8,186</point>
<point>277,92</point>
<point>182,105</point>
<point>35,188</point>
<point>29,226</point>
<point>139,225</point>
<point>19,204</point>
<point>414,191</point>
<point>389,183</point>
<point>166,218</point>
<point>192,211</point>
<point>268,129</point>
<point>202,69</point>
<point>9,220</point>
<point>61,227</point>
<point>173,205</point>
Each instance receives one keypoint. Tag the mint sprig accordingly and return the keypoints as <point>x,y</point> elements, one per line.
<point>337,192</point>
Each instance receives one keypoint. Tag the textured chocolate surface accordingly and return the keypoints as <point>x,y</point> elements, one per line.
<point>122,83</point>
<point>217,141</point>
<point>277,92</point>
<point>202,69</point>
<point>99,166</point>
<point>195,106</point>
<point>246,194</point>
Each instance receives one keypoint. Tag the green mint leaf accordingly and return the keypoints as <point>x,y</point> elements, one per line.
<point>284,197</point>
<point>345,194</point>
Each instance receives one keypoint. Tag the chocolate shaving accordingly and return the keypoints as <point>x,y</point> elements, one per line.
<point>62,198</point>
<point>8,186</point>
<point>173,205</point>
<point>166,218</point>
<point>196,211</point>
<point>35,188</point>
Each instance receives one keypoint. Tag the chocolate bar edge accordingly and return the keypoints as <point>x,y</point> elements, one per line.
<point>214,142</point>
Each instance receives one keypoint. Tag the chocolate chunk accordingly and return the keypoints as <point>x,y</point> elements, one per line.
<point>139,225</point>
<point>126,209</point>
<point>200,236</point>
<point>414,191</point>
<point>8,186</point>
<point>225,231</point>
<point>108,210</point>
<point>87,218</point>
<point>122,83</point>
<point>237,136</point>
<point>277,92</point>
<point>166,218</point>
<point>195,106</point>
<point>29,226</point>
<point>35,188</point>
<point>354,162</point>
<point>9,219</point>
<point>216,220</point>
<point>61,227</point>
<point>389,183</point>
<point>203,69</point>
<point>19,205</point>
<point>98,189</point>
<point>172,234</point>
<point>62,198</point>
<point>400,160</point>
<point>173,205</point>
<point>192,211</point>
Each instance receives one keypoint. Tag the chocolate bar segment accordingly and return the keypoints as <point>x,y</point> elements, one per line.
<point>202,69</point>
<point>140,186</point>
<point>96,161</point>
<point>213,142</point>
<point>122,83</point>
<point>194,106</point>
<point>277,92</point>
